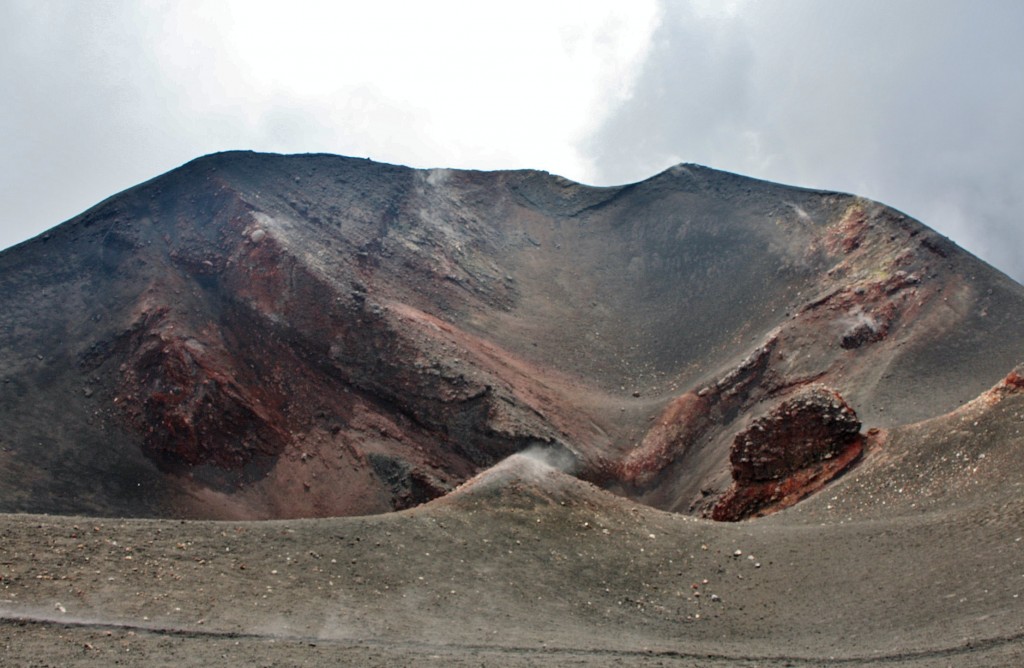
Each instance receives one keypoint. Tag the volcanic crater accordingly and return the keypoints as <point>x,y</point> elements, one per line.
<point>266,337</point>
<point>296,336</point>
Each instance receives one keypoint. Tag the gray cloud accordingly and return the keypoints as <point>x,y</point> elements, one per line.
<point>916,103</point>
<point>76,125</point>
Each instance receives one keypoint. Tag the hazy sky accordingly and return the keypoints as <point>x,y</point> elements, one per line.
<point>917,103</point>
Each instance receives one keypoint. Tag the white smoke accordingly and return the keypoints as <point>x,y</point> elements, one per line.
<point>800,211</point>
<point>858,320</point>
<point>438,177</point>
<point>858,328</point>
<point>557,458</point>
<point>534,464</point>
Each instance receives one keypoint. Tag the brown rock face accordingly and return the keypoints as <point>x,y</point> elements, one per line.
<point>194,409</point>
<point>791,452</point>
<point>813,426</point>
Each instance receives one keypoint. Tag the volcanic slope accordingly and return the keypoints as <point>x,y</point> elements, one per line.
<point>913,559</point>
<point>257,336</point>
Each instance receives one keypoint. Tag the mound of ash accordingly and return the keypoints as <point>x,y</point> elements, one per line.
<point>257,336</point>
<point>537,476</point>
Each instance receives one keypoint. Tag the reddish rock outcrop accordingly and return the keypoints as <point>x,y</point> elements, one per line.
<point>690,415</point>
<point>789,453</point>
<point>189,401</point>
<point>1014,381</point>
<point>812,426</point>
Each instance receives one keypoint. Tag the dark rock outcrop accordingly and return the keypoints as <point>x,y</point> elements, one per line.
<point>789,453</point>
<point>814,425</point>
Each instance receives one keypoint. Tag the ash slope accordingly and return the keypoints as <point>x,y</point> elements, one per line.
<point>256,336</point>
<point>915,558</point>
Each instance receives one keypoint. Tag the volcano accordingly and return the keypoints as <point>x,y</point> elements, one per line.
<point>702,364</point>
<point>257,336</point>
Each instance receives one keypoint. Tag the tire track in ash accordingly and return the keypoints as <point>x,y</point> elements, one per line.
<point>9,618</point>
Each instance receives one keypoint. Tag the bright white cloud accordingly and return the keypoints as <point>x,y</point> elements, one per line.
<point>454,83</point>
<point>110,93</point>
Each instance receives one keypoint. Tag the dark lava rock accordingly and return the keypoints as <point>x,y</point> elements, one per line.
<point>790,453</point>
<point>812,426</point>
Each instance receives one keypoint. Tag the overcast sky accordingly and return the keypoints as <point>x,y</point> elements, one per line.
<point>916,103</point>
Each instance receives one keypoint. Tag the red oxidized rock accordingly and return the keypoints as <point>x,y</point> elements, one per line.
<point>1014,381</point>
<point>791,452</point>
<point>812,426</point>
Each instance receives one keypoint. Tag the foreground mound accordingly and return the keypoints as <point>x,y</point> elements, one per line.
<point>913,559</point>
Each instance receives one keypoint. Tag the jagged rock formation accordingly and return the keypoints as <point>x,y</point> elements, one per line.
<point>789,453</point>
<point>278,336</point>
<point>814,425</point>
